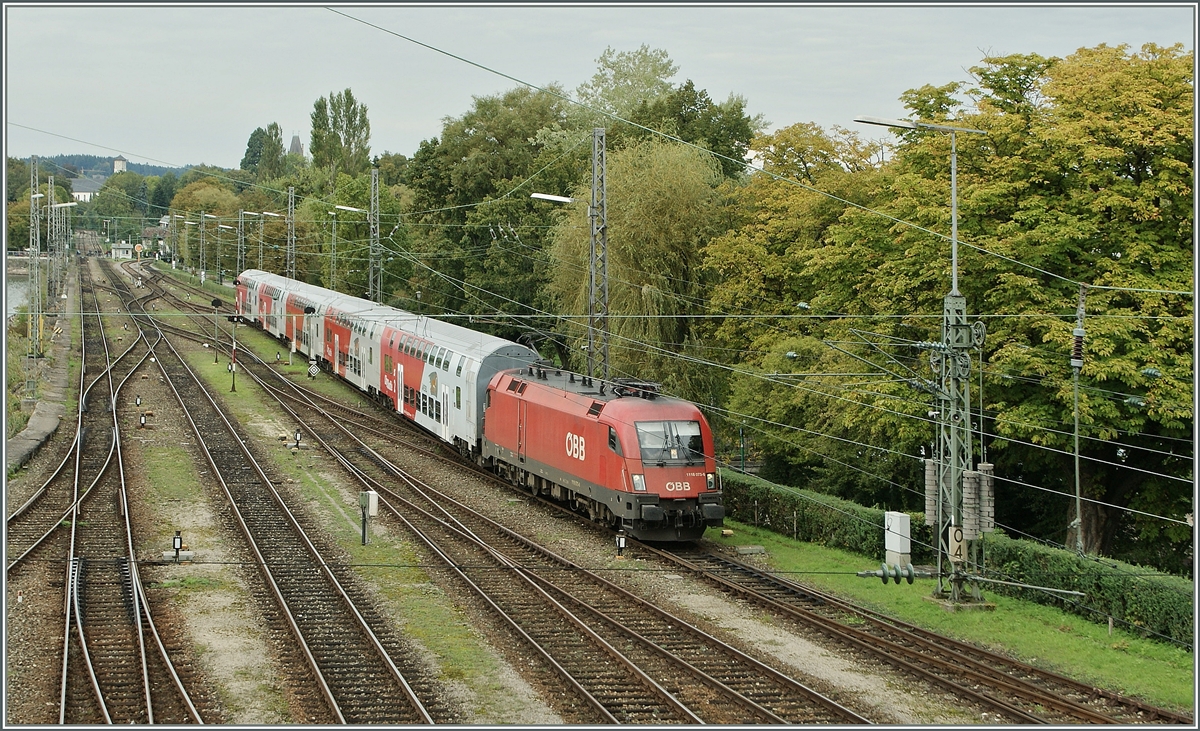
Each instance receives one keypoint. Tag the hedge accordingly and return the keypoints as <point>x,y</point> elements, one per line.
<point>1147,600</point>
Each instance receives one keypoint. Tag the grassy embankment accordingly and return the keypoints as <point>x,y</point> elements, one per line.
<point>1040,635</point>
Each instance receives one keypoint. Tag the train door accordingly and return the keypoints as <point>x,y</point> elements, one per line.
<point>469,400</point>
<point>400,391</point>
<point>338,367</point>
<point>446,413</point>
<point>522,408</point>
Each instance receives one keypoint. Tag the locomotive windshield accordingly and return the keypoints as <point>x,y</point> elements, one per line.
<point>670,441</point>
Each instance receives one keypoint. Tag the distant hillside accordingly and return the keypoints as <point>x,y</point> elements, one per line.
<point>88,165</point>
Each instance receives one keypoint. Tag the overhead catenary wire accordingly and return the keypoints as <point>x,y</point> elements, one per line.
<point>643,346</point>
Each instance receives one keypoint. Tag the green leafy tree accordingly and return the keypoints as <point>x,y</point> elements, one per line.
<point>254,148</point>
<point>476,221</point>
<point>271,158</point>
<point>341,134</point>
<point>160,198</point>
<point>689,114</point>
<point>664,205</point>
<point>1084,176</point>
<point>625,79</point>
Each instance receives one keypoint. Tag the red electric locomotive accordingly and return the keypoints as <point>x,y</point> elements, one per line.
<point>619,452</point>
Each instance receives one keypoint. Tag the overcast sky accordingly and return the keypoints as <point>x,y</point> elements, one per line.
<point>184,85</point>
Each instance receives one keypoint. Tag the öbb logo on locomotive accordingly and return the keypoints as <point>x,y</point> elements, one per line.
<point>631,458</point>
<point>575,446</point>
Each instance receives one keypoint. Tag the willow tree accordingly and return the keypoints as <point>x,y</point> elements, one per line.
<point>664,205</point>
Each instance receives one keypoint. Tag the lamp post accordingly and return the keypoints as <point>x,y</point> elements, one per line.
<point>203,260</point>
<point>35,279</point>
<point>597,256</point>
<point>220,273</point>
<point>333,251</point>
<point>215,304</point>
<point>261,225</point>
<point>189,223</point>
<point>174,238</point>
<point>233,356</point>
<point>951,360</point>
<point>242,234</point>
<point>58,263</point>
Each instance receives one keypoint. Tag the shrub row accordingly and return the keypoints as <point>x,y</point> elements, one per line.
<point>1157,603</point>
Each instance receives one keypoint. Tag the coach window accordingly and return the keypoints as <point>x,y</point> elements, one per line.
<point>440,358</point>
<point>446,361</point>
<point>437,410</point>
<point>458,397</point>
<point>461,359</point>
<point>370,356</point>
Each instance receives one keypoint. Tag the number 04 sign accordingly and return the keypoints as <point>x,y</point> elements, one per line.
<point>956,544</point>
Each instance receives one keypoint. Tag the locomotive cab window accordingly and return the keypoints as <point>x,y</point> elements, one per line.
<point>614,443</point>
<point>670,441</point>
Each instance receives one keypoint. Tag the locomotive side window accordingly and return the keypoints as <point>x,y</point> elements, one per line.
<point>670,441</point>
<point>614,443</point>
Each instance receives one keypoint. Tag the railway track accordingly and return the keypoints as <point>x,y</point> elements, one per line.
<point>112,654</point>
<point>1044,695</point>
<point>625,660</point>
<point>349,655</point>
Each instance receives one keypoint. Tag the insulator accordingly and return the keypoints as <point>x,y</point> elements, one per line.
<point>970,493</point>
<point>1077,349</point>
<point>987,497</point>
<point>931,492</point>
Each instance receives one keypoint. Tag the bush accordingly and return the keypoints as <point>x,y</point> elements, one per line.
<point>817,518</point>
<point>1144,598</point>
<point>1154,602</point>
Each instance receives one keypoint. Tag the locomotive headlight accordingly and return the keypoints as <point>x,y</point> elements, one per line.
<point>639,483</point>
<point>710,481</point>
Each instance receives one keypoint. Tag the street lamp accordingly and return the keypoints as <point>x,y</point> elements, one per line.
<point>242,234</point>
<point>906,124</point>
<point>215,304</point>
<point>950,360</point>
<point>189,223</point>
<point>333,248</point>
<point>555,198</point>
<point>233,355</point>
<point>220,274</point>
<point>261,226</point>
